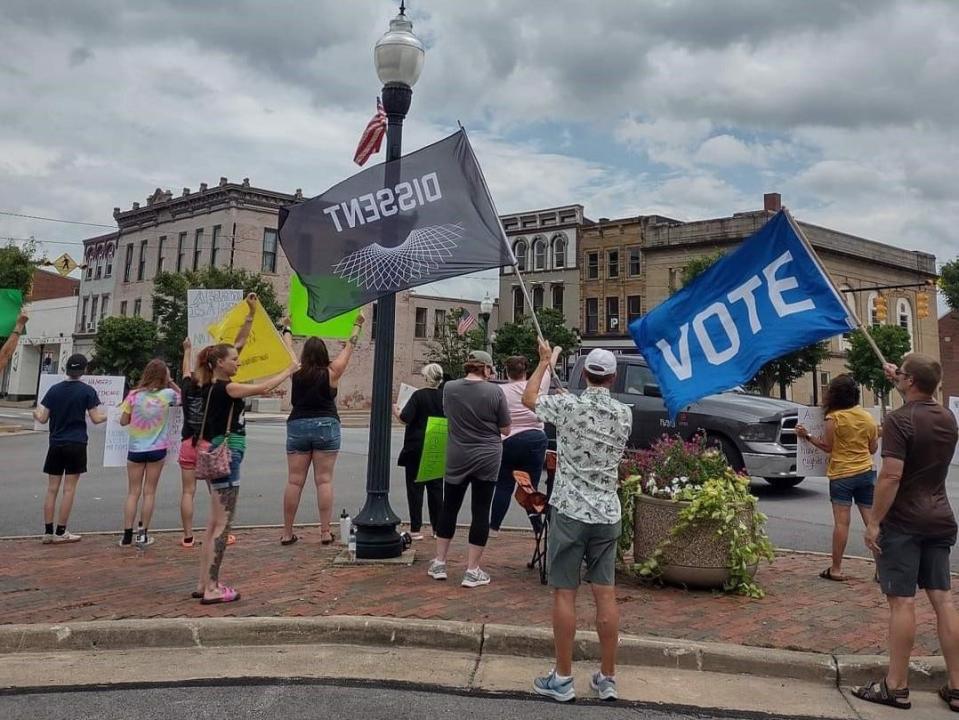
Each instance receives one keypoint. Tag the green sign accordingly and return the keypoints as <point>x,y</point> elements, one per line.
<point>433,460</point>
<point>303,325</point>
<point>10,303</point>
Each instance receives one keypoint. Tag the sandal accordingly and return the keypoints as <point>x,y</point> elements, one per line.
<point>327,540</point>
<point>878,692</point>
<point>950,696</point>
<point>228,595</point>
<point>293,539</point>
<point>231,539</point>
<point>827,575</point>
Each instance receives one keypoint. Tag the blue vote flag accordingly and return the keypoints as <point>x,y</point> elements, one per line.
<point>768,298</point>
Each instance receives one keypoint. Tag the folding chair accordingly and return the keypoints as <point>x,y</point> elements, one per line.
<point>536,505</point>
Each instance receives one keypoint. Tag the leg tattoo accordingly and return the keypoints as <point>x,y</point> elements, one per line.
<point>227,498</point>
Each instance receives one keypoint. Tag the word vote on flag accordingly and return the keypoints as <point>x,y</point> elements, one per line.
<point>766,299</point>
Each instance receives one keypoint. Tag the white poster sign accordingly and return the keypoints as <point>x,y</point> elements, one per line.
<point>810,460</point>
<point>117,443</point>
<point>404,395</point>
<point>954,406</point>
<point>109,388</point>
<point>205,307</point>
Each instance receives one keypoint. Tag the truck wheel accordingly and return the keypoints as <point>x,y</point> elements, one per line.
<point>729,451</point>
<point>781,483</point>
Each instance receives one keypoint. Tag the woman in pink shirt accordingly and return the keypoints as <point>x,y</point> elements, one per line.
<point>525,446</point>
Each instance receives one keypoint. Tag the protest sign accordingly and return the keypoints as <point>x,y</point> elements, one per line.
<point>205,307</point>
<point>109,389</point>
<point>404,395</point>
<point>117,441</point>
<point>433,459</point>
<point>10,303</point>
<point>264,354</point>
<point>810,460</point>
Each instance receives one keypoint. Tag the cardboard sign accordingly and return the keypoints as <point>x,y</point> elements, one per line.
<point>264,354</point>
<point>109,389</point>
<point>205,307</point>
<point>810,460</point>
<point>117,442</point>
<point>404,395</point>
<point>433,459</point>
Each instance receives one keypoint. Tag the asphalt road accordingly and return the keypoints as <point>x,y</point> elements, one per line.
<point>800,518</point>
<point>311,701</point>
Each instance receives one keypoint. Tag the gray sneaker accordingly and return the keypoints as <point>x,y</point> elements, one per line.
<point>437,570</point>
<point>47,538</point>
<point>552,687</point>
<point>605,687</point>
<point>475,578</point>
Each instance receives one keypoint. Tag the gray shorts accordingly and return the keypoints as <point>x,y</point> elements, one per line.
<point>571,542</point>
<point>907,561</point>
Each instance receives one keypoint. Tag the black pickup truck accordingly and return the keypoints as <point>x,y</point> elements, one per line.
<point>755,433</point>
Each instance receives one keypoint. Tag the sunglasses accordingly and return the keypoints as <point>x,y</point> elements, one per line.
<point>900,373</point>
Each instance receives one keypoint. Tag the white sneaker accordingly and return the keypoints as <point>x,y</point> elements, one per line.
<point>143,540</point>
<point>67,537</point>
<point>47,538</point>
<point>475,578</point>
<point>603,686</point>
<point>437,570</point>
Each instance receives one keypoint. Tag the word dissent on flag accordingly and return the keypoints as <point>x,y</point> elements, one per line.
<point>768,298</point>
<point>394,226</point>
<point>467,322</point>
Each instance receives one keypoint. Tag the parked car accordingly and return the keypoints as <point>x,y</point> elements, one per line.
<point>755,433</point>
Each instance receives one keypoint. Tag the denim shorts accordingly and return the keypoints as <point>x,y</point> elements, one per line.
<point>855,487</point>
<point>233,479</point>
<point>148,456</point>
<point>308,435</point>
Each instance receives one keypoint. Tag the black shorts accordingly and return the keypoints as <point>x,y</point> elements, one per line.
<point>67,459</point>
<point>908,561</point>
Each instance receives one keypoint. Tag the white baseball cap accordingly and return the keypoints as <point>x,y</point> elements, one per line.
<point>601,362</point>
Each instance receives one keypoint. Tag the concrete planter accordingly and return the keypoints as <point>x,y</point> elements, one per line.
<point>697,557</point>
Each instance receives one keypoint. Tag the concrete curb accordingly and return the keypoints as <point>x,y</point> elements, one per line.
<point>489,639</point>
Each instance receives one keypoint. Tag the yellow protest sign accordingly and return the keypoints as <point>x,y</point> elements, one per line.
<point>264,354</point>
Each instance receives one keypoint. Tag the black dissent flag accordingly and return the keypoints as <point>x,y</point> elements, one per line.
<point>425,217</point>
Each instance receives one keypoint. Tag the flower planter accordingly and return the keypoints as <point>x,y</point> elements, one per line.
<point>697,557</point>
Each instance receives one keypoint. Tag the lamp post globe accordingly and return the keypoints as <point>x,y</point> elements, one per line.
<point>486,305</point>
<point>398,57</point>
<point>486,309</point>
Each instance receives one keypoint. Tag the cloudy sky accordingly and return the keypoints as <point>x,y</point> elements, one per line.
<point>689,108</point>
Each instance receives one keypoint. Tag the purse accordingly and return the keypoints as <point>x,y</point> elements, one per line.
<point>213,464</point>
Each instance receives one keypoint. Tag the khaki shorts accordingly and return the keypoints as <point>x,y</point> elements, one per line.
<point>571,542</point>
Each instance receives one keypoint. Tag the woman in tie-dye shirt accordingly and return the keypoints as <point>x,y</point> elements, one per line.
<point>146,415</point>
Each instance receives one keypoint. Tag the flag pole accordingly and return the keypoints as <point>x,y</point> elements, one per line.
<point>822,269</point>
<point>532,312</point>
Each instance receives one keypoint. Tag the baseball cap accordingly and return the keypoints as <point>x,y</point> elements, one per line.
<point>481,356</point>
<point>601,362</point>
<point>77,363</point>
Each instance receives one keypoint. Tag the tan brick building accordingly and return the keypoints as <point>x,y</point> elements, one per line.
<point>629,265</point>
<point>949,353</point>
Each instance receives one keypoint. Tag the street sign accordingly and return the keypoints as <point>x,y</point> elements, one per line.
<point>65,264</point>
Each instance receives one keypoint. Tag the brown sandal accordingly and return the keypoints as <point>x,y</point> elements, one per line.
<point>950,696</point>
<point>878,692</point>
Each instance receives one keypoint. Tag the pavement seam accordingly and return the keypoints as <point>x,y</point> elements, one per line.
<point>471,680</point>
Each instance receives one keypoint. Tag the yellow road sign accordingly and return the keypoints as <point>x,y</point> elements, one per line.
<point>65,264</point>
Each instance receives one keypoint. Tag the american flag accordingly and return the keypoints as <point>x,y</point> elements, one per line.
<point>467,321</point>
<point>372,137</point>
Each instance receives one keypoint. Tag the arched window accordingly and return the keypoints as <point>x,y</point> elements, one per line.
<point>517,304</point>
<point>559,251</point>
<point>871,318</point>
<point>538,294</point>
<point>539,253</point>
<point>850,299</point>
<point>904,318</point>
<point>520,250</point>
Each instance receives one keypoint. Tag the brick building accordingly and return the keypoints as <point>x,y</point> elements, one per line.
<point>48,285</point>
<point>949,353</point>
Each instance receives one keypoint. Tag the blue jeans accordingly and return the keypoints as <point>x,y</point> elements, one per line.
<point>527,452</point>
<point>856,487</point>
<point>308,435</point>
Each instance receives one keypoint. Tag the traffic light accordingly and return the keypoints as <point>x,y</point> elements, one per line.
<point>922,305</point>
<point>881,312</point>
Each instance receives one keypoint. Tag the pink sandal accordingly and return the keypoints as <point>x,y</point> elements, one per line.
<point>228,595</point>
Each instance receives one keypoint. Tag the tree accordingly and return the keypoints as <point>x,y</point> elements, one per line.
<point>169,302</point>
<point>862,362</point>
<point>519,338</point>
<point>17,265</point>
<point>949,283</point>
<point>697,265</point>
<point>451,349</point>
<point>123,346</point>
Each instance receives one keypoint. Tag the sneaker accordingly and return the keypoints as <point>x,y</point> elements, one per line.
<point>493,533</point>
<point>67,537</point>
<point>437,570</point>
<point>416,535</point>
<point>125,544</point>
<point>552,687</point>
<point>475,578</point>
<point>144,540</point>
<point>47,538</point>
<point>604,686</point>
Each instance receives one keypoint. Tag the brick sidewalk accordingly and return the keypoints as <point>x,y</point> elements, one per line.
<point>96,580</point>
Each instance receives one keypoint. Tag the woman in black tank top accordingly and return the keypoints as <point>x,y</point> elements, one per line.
<point>313,429</point>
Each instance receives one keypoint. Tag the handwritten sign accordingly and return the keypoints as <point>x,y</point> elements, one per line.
<point>404,395</point>
<point>433,459</point>
<point>117,442</point>
<point>109,389</point>
<point>205,307</point>
<point>810,460</point>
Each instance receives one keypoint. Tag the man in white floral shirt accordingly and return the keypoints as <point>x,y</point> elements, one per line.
<point>591,433</point>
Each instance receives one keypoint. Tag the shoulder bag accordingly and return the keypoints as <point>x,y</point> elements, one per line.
<point>213,463</point>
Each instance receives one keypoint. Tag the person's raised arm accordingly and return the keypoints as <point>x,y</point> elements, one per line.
<point>531,393</point>
<point>287,334</point>
<point>6,352</point>
<point>340,362</point>
<point>186,368</point>
<point>244,334</point>
<point>239,391</point>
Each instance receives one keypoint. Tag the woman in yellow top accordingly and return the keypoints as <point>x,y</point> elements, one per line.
<point>850,438</point>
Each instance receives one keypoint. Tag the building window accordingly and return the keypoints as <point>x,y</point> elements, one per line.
<point>160,245</point>
<point>128,263</point>
<point>180,251</point>
<point>439,323</point>
<point>99,271</point>
<point>518,301</point>
<point>612,264</point>
<point>83,315</point>
<point>871,309</point>
<point>850,299</point>
<point>419,329</point>
<point>90,263</point>
<point>539,254</point>
<point>123,308</point>
<point>538,294</point>
<point>519,250</point>
<point>904,317</point>
<point>142,265</point>
<point>634,308</point>
<point>269,251</point>
<point>592,265</point>
<point>214,241</point>
<point>104,301</point>
<point>559,252</point>
<point>635,264</point>
<point>592,316</point>
<point>109,269</point>
<point>197,247</point>
<point>557,297</point>
<point>137,307</point>
<point>93,310</point>
<point>612,314</point>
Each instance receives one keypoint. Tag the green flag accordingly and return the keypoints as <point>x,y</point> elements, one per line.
<point>10,303</point>
<point>303,325</point>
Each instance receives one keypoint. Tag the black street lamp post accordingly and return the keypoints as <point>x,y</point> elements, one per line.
<point>398,57</point>
<point>486,310</point>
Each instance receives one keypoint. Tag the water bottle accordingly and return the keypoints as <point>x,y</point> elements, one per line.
<point>352,545</point>
<point>345,524</point>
